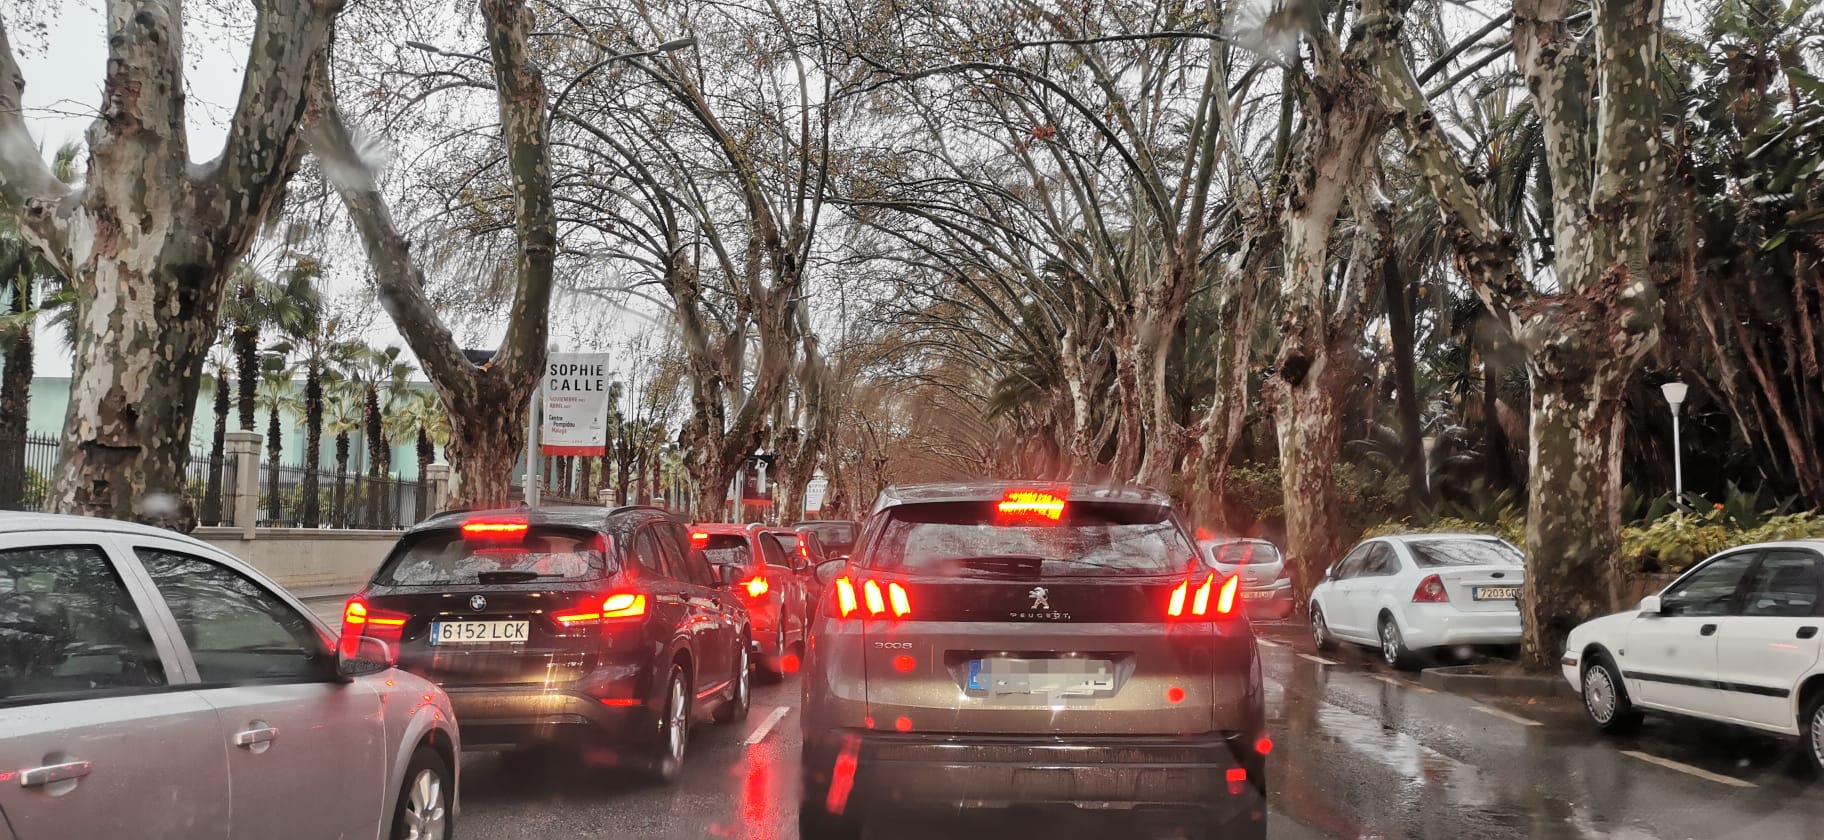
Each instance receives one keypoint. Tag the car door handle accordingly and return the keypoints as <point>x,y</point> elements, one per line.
<point>41,776</point>
<point>1808,632</point>
<point>1708,630</point>
<point>263,735</point>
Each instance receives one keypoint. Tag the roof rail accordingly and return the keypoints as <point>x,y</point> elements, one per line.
<point>626,508</point>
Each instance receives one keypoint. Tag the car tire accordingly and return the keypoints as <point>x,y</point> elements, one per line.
<point>735,710</point>
<point>423,810</point>
<point>1811,732</point>
<point>1393,646</point>
<point>1320,631</point>
<point>774,671</point>
<point>673,728</point>
<point>815,823</point>
<point>1605,697</point>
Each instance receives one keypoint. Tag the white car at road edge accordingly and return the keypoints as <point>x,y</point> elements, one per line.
<point>1736,639</point>
<point>1412,593</point>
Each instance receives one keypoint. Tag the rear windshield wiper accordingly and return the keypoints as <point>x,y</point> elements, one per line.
<point>509,577</point>
<point>1011,565</point>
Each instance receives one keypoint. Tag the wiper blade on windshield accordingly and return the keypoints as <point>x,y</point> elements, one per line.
<point>508,577</point>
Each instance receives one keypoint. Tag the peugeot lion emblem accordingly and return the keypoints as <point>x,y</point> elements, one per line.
<point>478,603</point>
<point>1041,599</point>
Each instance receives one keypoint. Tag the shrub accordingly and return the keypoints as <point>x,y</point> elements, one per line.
<point>1672,544</point>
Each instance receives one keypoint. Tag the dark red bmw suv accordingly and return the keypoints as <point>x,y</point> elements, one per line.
<point>579,626</point>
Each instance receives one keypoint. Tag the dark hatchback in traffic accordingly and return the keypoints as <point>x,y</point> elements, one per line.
<point>580,626</point>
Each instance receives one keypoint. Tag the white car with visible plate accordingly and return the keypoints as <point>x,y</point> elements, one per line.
<point>1411,594</point>
<point>1735,639</point>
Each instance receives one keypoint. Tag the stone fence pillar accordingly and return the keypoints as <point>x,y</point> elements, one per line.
<point>436,480</point>
<point>241,450</point>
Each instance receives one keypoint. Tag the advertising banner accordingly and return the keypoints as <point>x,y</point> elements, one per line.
<point>575,391</point>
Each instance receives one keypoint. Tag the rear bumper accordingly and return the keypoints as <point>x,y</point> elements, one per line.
<point>892,771</point>
<point>1268,601</point>
<point>526,715</point>
<point>1442,625</point>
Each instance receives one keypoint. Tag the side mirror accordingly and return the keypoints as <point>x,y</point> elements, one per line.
<point>1651,605</point>
<point>358,656</point>
<point>829,569</point>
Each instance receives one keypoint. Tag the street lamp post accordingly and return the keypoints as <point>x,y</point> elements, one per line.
<point>1675,397</point>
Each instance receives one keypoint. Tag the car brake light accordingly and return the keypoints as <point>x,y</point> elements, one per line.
<point>1431,591</point>
<point>1031,504</point>
<point>891,600</point>
<point>494,528</point>
<point>803,550</point>
<point>699,539</point>
<point>358,619</point>
<point>755,587</point>
<point>1200,601</point>
<point>845,596</point>
<point>618,605</point>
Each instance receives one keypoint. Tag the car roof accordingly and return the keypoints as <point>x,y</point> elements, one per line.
<point>1439,537</point>
<point>723,528</point>
<point>16,522</point>
<point>983,491</point>
<point>576,516</point>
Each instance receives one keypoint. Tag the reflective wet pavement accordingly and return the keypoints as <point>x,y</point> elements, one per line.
<point>1359,752</point>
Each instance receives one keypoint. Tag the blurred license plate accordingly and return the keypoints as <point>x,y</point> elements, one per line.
<point>479,632</point>
<point>1496,593</point>
<point>1253,594</point>
<point>1081,677</point>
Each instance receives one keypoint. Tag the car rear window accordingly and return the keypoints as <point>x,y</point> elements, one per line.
<point>1431,554</point>
<point>971,539</point>
<point>1244,552</point>
<point>788,543</point>
<point>540,555</point>
<point>728,550</point>
<point>834,534</point>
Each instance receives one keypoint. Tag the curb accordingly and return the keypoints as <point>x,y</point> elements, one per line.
<point>1461,679</point>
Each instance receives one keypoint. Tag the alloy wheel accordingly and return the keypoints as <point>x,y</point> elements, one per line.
<point>677,728</point>
<point>1319,633</point>
<point>1817,735</point>
<point>1390,643</point>
<point>425,814</point>
<point>742,696</point>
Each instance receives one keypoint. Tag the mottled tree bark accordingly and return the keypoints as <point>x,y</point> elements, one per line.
<point>485,403</point>
<point>150,241</point>
<point>1597,102</point>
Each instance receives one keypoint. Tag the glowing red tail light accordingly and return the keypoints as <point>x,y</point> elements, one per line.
<point>891,600</point>
<point>1031,504</point>
<point>616,606</point>
<point>1199,598</point>
<point>494,529</point>
<point>699,539</point>
<point>358,619</point>
<point>1431,591</point>
<point>755,587</point>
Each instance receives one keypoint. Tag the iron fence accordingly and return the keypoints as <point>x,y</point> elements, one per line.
<point>212,483</point>
<point>25,471</point>
<point>342,500</point>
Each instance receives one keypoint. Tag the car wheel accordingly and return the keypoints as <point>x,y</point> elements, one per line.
<point>1393,646</point>
<point>1320,632</point>
<point>1605,697</point>
<point>423,812</point>
<point>774,670</point>
<point>815,823</point>
<point>735,710</point>
<point>1811,728</point>
<point>674,728</point>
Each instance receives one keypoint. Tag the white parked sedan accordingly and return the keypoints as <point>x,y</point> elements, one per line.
<point>152,686</point>
<point>1409,594</point>
<point>1736,639</point>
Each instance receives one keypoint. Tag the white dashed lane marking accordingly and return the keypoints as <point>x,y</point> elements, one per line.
<point>766,726</point>
<point>1507,716</point>
<point>1687,769</point>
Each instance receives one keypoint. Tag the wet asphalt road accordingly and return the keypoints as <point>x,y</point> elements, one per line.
<point>1360,752</point>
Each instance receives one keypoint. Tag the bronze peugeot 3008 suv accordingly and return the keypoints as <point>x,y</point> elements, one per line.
<point>1014,645</point>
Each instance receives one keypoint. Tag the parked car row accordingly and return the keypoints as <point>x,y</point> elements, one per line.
<point>153,686</point>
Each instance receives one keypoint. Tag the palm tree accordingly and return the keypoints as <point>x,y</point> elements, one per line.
<point>277,393</point>
<point>259,303</point>
<point>28,286</point>
<point>221,362</point>
<point>342,416</point>
<point>420,417</point>
<point>384,378</point>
